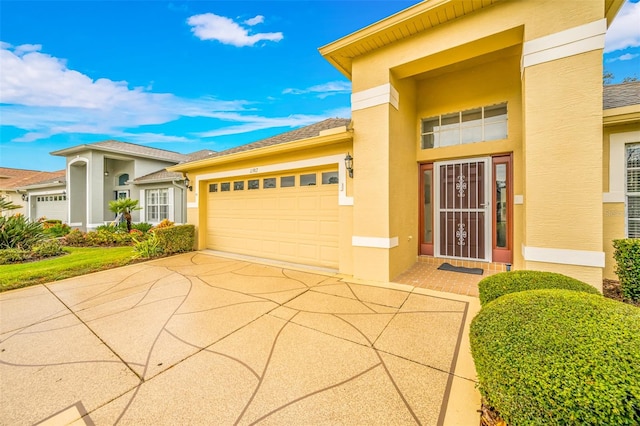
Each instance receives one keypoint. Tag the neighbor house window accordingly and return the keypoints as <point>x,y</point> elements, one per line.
<point>157,206</point>
<point>633,190</point>
<point>475,125</point>
<point>122,179</point>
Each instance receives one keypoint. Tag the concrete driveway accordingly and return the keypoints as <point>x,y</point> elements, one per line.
<point>203,339</point>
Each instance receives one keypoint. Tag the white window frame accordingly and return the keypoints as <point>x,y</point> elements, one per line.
<point>628,195</point>
<point>149,208</point>
<point>482,124</point>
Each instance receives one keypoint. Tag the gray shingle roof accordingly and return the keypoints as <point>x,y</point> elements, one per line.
<point>159,176</point>
<point>621,95</point>
<point>128,148</point>
<point>293,135</point>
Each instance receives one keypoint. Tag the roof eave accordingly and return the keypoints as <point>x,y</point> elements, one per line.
<point>80,148</point>
<point>281,148</point>
<point>621,115</point>
<point>43,185</point>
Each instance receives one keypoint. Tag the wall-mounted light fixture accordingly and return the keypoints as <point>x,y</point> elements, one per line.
<point>348,163</point>
<point>25,197</point>
<point>187,183</point>
<point>106,173</point>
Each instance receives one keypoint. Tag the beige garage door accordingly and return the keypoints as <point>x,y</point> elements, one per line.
<point>289,216</point>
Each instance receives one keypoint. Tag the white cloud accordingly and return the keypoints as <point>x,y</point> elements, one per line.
<point>322,90</point>
<point>625,30</point>
<point>258,19</point>
<point>625,57</point>
<point>209,26</point>
<point>42,96</point>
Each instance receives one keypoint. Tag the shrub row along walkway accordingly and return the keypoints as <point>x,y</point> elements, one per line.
<point>200,339</point>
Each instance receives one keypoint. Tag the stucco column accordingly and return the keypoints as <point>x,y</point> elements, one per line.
<point>562,107</point>
<point>385,171</point>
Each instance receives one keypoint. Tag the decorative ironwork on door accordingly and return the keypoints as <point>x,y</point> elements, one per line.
<point>462,216</point>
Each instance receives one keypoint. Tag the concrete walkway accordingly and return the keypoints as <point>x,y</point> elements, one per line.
<point>201,339</point>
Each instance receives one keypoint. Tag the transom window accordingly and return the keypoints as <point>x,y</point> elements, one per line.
<point>475,125</point>
<point>122,179</point>
<point>157,204</point>
<point>633,190</point>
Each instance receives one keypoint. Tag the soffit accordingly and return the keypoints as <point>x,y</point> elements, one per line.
<point>404,24</point>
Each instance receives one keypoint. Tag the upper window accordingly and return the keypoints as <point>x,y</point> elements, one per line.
<point>157,207</point>
<point>633,190</point>
<point>122,179</point>
<point>476,125</point>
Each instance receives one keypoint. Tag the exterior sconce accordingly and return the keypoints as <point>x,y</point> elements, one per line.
<point>187,183</point>
<point>106,173</point>
<point>25,197</point>
<point>348,163</point>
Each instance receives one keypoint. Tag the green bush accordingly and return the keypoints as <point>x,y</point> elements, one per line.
<point>627,255</point>
<point>57,230</point>
<point>147,248</point>
<point>494,286</point>
<point>13,255</point>
<point>176,239</point>
<point>143,227</point>
<point>48,248</point>
<point>19,232</point>
<point>559,357</point>
<point>75,238</point>
<point>105,237</point>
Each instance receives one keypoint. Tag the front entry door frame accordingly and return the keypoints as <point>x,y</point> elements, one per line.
<point>478,209</point>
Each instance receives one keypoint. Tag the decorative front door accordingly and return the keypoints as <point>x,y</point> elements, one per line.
<point>463,220</point>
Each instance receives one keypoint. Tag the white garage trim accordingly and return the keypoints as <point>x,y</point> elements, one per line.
<point>375,242</point>
<point>338,159</point>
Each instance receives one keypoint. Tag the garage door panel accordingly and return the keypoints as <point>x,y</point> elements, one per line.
<point>296,224</point>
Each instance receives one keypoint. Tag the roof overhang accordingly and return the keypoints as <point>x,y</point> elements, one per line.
<point>404,24</point>
<point>43,185</point>
<point>118,154</point>
<point>611,8</point>
<point>326,138</point>
<point>621,115</point>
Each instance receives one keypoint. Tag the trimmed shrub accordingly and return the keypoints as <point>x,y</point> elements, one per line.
<point>105,237</point>
<point>165,223</point>
<point>627,255</point>
<point>559,357</point>
<point>75,238</point>
<point>13,255</point>
<point>176,239</point>
<point>494,286</point>
<point>48,248</point>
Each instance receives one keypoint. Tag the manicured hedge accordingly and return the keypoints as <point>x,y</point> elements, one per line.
<point>627,255</point>
<point>176,239</point>
<point>559,357</point>
<point>494,286</point>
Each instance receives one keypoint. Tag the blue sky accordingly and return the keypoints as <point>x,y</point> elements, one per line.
<point>187,75</point>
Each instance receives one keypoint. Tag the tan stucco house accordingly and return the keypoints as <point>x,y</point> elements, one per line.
<point>477,137</point>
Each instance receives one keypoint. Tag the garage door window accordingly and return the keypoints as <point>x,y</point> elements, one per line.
<point>226,186</point>
<point>329,178</point>
<point>238,185</point>
<point>157,204</point>
<point>269,183</point>
<point>308,180</point>
<point>253,184</point>
<point>213,187</point>
<point>287,181</point>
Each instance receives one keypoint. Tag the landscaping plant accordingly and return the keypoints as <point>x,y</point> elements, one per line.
<point>494,286</point>
<point>176,239</point>
<point>147,248</point>
<point>124,206</point>
<point>559,357</point>
<point>18,232</point>
<point>627,255</point>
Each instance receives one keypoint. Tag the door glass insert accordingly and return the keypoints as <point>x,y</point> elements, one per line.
<point>501,206</point>
<point>427,224</point>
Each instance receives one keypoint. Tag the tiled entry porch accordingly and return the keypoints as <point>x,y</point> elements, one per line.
<point>425,274</point>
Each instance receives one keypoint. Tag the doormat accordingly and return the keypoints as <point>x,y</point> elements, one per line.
<point>450,267</point>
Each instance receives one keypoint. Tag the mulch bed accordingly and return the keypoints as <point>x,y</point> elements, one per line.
<point>610,289</point>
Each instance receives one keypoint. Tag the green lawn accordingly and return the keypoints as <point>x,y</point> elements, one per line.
<point>79,261</point>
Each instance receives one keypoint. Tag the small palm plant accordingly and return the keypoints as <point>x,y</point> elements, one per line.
<point>7,205</point>
<point>124,206</point>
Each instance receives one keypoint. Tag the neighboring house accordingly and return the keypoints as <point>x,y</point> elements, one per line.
<point>621,167</point>
<point>100,172</point>
<point>476,138</point>
<point>12,182</point>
